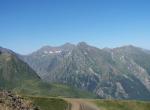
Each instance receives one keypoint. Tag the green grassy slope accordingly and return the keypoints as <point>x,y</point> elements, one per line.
<point>122,105</point>
<point>49,103</point>
<point>39,88</point>
<point>14,72</point>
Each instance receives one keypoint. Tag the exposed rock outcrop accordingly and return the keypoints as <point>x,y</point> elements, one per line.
<point>9,101</point>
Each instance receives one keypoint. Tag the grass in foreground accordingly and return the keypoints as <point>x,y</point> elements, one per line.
<point>39,88</point>
<point>45,103</point>
<point>49,103</point>
<point>122,105</point>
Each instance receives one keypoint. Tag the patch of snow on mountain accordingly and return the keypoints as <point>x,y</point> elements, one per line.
<point>52,52</point>
<point>58,51</point>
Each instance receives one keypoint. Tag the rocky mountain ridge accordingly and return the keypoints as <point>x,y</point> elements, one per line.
<point>121,73</point>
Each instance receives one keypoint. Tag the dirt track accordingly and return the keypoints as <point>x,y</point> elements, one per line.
<point>81,104</point>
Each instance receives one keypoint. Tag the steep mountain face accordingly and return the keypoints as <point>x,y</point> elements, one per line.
<point>45,57</point>
<point>121,73</point>
<point>17,76</point>
<point>13,71</point>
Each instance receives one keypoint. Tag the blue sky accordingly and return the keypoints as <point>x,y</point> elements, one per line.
<point>26,25</point>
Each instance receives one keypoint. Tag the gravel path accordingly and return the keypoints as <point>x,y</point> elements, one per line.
<point>81,104</point>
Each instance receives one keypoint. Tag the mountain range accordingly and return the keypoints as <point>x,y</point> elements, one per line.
<point>118,73</point>
<point>19,77</point>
